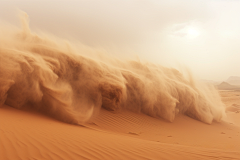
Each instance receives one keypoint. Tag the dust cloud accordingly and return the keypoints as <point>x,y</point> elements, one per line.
<point>52,76</point>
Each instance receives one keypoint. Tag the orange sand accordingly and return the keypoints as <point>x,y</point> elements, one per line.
<point>121,109</point>
<point>121,135</point>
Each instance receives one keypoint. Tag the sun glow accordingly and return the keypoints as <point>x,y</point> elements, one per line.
<point>192,32</point>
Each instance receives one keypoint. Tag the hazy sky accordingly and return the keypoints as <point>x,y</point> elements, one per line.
<point>202,34</point>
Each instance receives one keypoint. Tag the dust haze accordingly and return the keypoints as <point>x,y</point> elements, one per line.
<point>201,34</point>
<point>71,83</point>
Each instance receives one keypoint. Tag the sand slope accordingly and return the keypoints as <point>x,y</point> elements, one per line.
<point>121,135</point>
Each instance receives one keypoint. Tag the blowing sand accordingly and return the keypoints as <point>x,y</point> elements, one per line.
<point>64,102</point>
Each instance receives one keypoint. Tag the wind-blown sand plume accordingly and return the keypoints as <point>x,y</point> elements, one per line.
<point>115,103</point>
<point>42,74</point>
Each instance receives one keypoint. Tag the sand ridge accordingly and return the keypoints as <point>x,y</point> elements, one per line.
<point>26,135</point>
<point>119,135</point>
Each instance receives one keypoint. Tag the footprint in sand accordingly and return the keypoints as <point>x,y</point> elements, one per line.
<point>136,134</point>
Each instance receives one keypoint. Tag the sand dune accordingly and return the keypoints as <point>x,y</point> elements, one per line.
<point>234,80</point>
<point>227,86</point>
<point>61,101</point>
<point>121,135</point>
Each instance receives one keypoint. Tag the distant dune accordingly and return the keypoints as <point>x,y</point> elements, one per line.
<point>233,80</point>
<point>227,86</point>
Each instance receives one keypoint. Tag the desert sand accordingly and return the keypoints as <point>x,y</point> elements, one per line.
<point>124,135</point>
<point>58,101</point>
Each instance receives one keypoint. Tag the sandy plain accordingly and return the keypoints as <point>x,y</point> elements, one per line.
<point>121,135</point>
